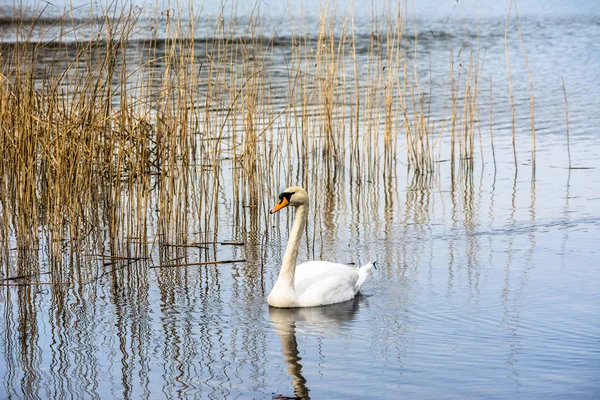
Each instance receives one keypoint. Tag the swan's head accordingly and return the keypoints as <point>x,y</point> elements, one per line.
<point>293,196</point>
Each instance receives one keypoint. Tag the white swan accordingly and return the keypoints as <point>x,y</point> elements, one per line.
<point>313,283</point>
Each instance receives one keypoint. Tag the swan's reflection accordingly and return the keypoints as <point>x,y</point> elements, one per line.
<point>314,319</point>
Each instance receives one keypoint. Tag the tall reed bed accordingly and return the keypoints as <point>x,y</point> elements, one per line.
<point>134,129</point>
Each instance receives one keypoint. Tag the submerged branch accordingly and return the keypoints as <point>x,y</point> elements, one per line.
<point>199,263</point>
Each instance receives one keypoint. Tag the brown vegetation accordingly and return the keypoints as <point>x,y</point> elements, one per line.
<point>112,143</point>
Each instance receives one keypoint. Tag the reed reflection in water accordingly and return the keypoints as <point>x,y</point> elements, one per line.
<point>468,277</point>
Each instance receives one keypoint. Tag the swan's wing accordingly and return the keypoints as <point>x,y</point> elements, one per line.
<point>320,283</point>
<point>310,269</point>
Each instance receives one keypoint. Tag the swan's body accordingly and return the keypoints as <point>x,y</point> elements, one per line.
<point>313,283</point>
<point>318,283</point>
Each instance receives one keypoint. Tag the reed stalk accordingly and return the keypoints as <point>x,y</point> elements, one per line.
<point>567,121</point>
<point>531,97</point>
<point>510,87</point>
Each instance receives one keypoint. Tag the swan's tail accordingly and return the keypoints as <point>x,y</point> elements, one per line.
<point>363,272</point>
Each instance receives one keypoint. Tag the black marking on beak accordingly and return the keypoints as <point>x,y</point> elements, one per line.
<point>284,201</point>
<point>285,195</point>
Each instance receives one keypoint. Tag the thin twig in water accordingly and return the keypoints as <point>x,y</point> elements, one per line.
<point>198,263</point>
<point>14,278</point>
<point>34,283</point>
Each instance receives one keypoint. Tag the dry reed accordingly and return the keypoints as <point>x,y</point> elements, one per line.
<point>131,138</point>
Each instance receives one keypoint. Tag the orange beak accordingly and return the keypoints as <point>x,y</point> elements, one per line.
<point>282,204</point>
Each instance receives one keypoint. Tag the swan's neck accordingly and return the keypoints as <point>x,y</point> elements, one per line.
<point>288,266</point>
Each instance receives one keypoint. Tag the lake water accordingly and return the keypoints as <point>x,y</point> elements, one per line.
<point>488,282</point>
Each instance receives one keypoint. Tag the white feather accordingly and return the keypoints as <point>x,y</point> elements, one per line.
<point>319,283</point>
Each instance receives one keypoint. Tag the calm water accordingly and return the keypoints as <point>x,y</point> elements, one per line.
<point>488,285</point>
